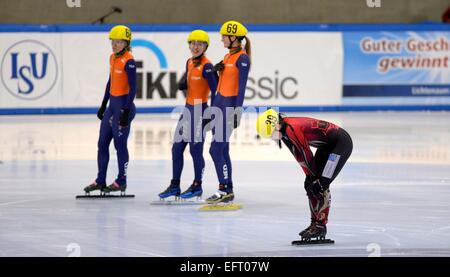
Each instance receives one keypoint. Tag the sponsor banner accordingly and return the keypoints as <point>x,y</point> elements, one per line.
<point>31,70</point>
<point>385,64</point>
<point>70,69</point>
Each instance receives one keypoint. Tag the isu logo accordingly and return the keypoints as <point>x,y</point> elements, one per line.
<point>29,69</point>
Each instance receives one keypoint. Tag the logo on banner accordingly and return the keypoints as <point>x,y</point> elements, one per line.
<point>29,69</point>
<point>163,83</point>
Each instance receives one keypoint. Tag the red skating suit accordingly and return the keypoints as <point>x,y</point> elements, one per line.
<point>302,132</point>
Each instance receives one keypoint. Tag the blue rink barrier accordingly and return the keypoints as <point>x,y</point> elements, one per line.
<point>341,108</point>
<point>427,26</point>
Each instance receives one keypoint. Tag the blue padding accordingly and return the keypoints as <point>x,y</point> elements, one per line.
<point>427,26</point>
<point>396,90</point>
<point>343,108</point>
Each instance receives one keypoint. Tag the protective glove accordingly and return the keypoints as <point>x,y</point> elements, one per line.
<point>123,119</point>
<point>314,187</point>
<point>182,85</point>
<point>101,110</point>
<point>237,118</point>
<point>219,66</point>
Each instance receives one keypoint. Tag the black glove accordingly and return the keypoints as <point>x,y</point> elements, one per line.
<point>206,124</point>
<point>237,120</point>
<point>123,119</point>
<point>219,66</point>
<point>317,188</point>
<point>101,110</point>
<point>237,117</point>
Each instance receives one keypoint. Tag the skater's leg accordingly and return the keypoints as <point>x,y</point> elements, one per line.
<point>216,151</point>
<point>120,142</point>
<point>225,192</point>
<point>196,150</point>
<point>196,145</point>
<point>320,206</point>
<point>320,159</point>
<point>104,140</point>
<point>336,159</point>
<point>227,158</point>
<point>318,163</point>
<point>178,159</point>
<point>180,142</point>
<point>328,162</point>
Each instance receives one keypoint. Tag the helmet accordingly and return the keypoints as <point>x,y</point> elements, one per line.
<point>120,32</point>
<point>198,35</point>
<point>265,124</point>
<point>233,28</point>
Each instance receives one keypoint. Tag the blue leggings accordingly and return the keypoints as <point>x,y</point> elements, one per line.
<point>220,153</point>
<point>196,150</point>
<point>220,146</point>
<point>110,130</point>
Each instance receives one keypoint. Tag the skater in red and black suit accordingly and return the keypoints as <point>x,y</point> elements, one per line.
<point>334,146</point>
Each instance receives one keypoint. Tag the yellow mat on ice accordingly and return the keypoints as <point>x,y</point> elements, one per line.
<point>220,207</point>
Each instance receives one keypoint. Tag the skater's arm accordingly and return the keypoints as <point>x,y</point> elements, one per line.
<point>107,94</point>
<point>243,64</point>
<point>209,75</point>
<point>102,108</point>
<point>130,68</point>
<point>301,150</point>
<point>182,85</point>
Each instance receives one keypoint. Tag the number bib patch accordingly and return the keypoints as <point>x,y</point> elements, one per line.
<point>332,162</point>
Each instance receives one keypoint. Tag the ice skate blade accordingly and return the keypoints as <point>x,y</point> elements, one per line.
<point>313,242</point>
<point>178,202</point>
<point>220,207</point>
<point>101,196</point>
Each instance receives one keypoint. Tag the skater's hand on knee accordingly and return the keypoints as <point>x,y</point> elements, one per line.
<point>317,188</point>
<point>314,187</point>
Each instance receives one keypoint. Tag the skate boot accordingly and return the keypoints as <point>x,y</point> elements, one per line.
<point>223,195</point>
<point>115,187</point>
<point>194,190</point>
<point>94,186</point>
<point>302,233</point>
<point>316,231</point>
<point>172,190</point>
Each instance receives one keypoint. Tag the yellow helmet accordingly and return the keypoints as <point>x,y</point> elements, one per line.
<point>233,28</point>
<point>199,35</point>
<point>265,124</point>
<point>120,32</point>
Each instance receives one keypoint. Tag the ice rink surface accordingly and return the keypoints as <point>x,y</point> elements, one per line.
<point>391,199</point>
